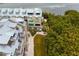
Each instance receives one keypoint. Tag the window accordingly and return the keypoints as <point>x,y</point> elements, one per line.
<point>10,43</point>
<point>14,34</point>
<point>23,13</point>
<point>37,24</point>
<point>30,13</point>
<point>17,12</point>
<point>19,40</point>
<point>31,24</point>
<point>21,22</point>
<point>30,20</point>
<point>19,47</point>
<point>37,13</point>
<point>0,10</point>
<point>11,12</point>
<point>5,12</point>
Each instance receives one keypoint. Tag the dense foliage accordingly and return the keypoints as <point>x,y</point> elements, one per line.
<point>32,31</point>
<point>63,34</point>
<point>39,45</point>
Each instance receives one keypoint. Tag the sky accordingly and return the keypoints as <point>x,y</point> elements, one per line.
<point>56,8</point>
<point>30,5</point>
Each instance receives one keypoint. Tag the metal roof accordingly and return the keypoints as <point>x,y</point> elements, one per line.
<point>17,20</point>
<point>3,20</point>
<point>6,32</point>
<point>20,19</point>
<point>5,36</point>
<point>10,24</point>
<point>9,49</point>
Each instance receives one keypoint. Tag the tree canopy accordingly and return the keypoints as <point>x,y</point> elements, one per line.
<point>71,12</point>
<point>63,34</point>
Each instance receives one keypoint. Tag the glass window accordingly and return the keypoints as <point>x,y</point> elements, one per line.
<point>30,20</point>
<point>30,13</point>
<point>31,24</point>
<point>11,12</point>
<point>37,13</point>
<point>37,24</point>
<point>17,12</point>
<point>5,12</point>
<point>23,13</point>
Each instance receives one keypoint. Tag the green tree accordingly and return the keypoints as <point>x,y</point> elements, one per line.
<point>63,34</point>
<point>71,12</point>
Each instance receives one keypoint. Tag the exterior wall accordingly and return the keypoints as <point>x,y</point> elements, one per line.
<point>34,22</point>
<point>30,13</point>
<point>22,37</point>
<point>21,12</point>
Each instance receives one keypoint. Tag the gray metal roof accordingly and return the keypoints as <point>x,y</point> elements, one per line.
<point>5,36</point>
<point>6,32</point>
<point>9,49</point>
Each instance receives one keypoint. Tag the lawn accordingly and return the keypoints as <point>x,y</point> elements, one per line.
<point>39,46</point>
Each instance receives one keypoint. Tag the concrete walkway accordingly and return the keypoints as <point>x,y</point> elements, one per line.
<point>30,45</point>
<point>30,51</point>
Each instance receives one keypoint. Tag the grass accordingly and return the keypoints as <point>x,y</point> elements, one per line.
<point>39,45</point>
